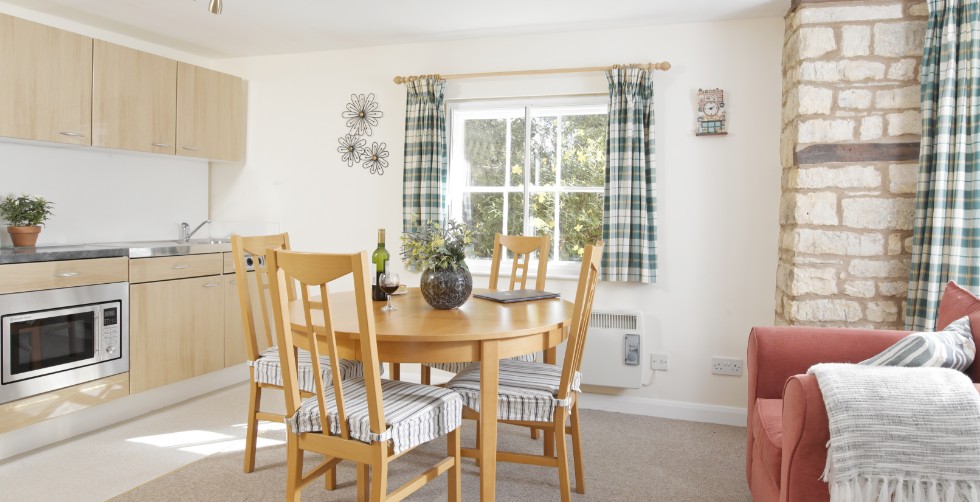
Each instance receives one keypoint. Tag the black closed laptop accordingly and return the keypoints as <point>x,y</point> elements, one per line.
<point>517,295</point>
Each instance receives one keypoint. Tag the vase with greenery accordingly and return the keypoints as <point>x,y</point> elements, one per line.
<point>24,215</point>
<point>439,251</point>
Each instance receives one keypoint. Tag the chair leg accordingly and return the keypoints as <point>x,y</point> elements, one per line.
<point>294,468</point>
<point>560,416</point>
<point>379,473</point>
<point>577,450</point>
<point>534,433</point>
<point>396,371</point>
<point>549,442</point>
<point>455,473</point>
<point>330,479</point>
<point>251,429</point>
<point>426,375</point>
<point>363,482</point>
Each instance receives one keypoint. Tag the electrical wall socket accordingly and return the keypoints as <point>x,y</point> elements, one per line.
<point>658,362</point>
<point>726,366</point>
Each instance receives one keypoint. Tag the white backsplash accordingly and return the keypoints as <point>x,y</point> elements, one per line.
<point>105,195</point>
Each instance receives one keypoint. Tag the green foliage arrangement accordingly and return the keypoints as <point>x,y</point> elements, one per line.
<point>25,210</point>
<point>437,247</point>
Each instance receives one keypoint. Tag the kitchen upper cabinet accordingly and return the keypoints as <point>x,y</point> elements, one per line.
<point>45,83</point>
<point>134,100</point>
<point>210,114</point>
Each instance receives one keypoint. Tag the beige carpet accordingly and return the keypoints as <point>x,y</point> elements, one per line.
<point>627,457</point>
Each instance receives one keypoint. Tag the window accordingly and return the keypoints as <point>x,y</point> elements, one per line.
<point>544,180</point>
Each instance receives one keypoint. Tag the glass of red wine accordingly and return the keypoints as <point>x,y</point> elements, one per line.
<point>389,283</point>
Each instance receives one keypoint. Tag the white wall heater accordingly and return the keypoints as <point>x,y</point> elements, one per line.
<point>616,350</point>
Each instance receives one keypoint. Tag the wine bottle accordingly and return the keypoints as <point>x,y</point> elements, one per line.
<point>380,259</point>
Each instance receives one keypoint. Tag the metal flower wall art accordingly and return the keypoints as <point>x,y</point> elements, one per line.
<point>362,116</point>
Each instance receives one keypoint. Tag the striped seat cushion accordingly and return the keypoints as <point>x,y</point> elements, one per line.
<point>414,414</point>
<point>269,371</point>
<point>458,367</point>
<point>527,390</point>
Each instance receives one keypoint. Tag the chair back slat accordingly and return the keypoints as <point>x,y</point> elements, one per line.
<point>522,247</point>
<point>316,271</point>
<point>579,327</point>
<point>253,287</point>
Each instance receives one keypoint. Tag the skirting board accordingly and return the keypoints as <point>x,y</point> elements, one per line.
<point>83,421</point>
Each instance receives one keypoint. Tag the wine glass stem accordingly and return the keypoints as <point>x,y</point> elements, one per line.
<point>389,302</point>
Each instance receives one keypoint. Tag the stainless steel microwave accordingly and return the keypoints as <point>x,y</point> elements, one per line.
<point>62,337</point>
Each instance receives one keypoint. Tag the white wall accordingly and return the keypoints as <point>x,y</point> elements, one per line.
<point>717,196</point>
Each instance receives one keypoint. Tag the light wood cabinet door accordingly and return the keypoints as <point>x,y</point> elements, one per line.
<point>134,99</point>
<point>234,339</point>
<point>176,330</point>
<point>45,83</point>
<point>210,114</point>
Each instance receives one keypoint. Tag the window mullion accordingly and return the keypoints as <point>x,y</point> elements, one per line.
<point>527,171</point>
<point>555,239</point>
<point>506,196</point>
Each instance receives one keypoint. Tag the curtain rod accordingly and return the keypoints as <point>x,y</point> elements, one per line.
<point>663,66</point>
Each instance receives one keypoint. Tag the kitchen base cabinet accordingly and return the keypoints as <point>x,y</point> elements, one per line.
<point>176,330</point>
<point>234,339</point>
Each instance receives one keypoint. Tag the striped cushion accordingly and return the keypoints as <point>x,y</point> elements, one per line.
<point>458,367</point>
<point>527,390</point>
<point>268,370</point>
<point>951,348</point>
<point>414,413</point>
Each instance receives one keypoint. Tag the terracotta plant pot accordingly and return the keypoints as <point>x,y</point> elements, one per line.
<point>24,236</point>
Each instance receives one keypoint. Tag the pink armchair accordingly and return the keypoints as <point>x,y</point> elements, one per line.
<point>787,429</point>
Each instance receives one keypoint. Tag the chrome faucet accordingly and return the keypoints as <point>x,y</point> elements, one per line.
<point>186,233</point>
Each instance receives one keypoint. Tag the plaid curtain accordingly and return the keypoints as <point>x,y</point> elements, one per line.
<point>630,204</point>
<point>945,242</point>
<point>424,184</point>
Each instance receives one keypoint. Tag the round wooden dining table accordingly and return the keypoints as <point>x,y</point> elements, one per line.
<point>481,330</point>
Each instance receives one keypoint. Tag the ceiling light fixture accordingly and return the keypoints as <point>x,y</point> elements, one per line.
<point>215,7</point>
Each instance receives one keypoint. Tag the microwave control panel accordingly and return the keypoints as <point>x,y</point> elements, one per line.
<point>110,332</point>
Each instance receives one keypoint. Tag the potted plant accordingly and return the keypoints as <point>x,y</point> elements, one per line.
<point>24,214</point>
<point>440,252</point>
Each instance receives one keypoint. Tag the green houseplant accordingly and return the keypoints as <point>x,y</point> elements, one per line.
<point>439,251</point>
<point>24,215</point>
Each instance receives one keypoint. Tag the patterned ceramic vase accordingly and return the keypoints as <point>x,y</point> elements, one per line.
<point>446,289</point>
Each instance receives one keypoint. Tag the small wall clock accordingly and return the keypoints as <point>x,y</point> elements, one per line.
<point>711,112</point>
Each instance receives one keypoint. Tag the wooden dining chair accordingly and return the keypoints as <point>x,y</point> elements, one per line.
<point>264,368</point>
<point>366,420</point>
<point>523,248</point>
<point>540,395</point>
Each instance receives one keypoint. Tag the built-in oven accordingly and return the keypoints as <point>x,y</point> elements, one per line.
<point>61,337</point>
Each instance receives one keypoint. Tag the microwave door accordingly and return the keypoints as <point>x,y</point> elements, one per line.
<point>45,342</point>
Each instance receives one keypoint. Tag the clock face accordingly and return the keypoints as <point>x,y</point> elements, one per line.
<point>711,108</point>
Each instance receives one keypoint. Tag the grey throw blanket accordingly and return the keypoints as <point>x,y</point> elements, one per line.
<point>901,434</point>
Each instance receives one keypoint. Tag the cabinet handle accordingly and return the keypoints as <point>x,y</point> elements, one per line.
<point>234,281</point>
<point>161,145</point>
<point>212,284</point>
<point>180,267</point>
<point>72,134</point>
<point>68,274</point>
<point>191,148</point>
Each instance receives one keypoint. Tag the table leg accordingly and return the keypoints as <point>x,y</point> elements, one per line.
<point>489,374</point>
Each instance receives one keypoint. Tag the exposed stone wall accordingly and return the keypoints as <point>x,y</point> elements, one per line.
<point>849,152</point>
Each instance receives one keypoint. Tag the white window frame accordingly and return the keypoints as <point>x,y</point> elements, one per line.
<point>530,107</point>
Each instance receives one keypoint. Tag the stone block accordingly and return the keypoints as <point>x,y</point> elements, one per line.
<point>787,145</point>
<point>854,98</point>
<point>872,127</point>
<point>823,310</point>
<point>903,178</point>
<point>902,70</point>
<point>816,41</point>
<point>808,280</point>
<point>814,100</point>
<point>908,122</point>
<point>818,208</point>
<point>834,242</point>
<point>878,213</point>
<point>859,289</point>
<point>825,130</point>
<point>894,288</point>
<point>899,39</point>
<point>857,70</point>
<point>894,244</point>
<point>821,71</point>
<point>883,311</point>
<point>907,246</point>
<point>855,41</point>
<point>791,108</point>
<point>886,269</point>
<point>919,9</point>
<point>841,177</point>
<point>836,14</point>
<point>905,97</point>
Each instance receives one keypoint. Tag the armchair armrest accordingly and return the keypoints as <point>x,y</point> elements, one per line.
<point>806,431</point>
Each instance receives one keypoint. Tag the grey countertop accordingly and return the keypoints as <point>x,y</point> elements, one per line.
<point>138,249</point>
